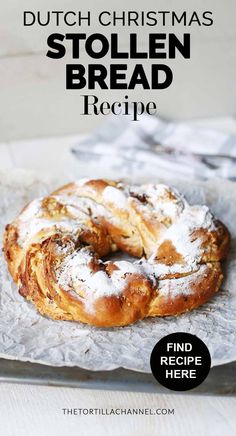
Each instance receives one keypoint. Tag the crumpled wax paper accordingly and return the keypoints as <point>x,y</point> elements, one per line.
<point>26,335</point>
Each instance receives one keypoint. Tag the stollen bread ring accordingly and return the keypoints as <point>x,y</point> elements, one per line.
<point>57,249</point>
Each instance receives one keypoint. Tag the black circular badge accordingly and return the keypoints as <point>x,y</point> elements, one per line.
<point>180,361</point>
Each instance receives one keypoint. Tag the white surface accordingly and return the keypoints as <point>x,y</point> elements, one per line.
<point>36,411</point>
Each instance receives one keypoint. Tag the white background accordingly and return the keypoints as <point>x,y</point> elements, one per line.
<point>34,101</point>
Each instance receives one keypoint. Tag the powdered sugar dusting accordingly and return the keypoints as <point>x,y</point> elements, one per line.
<point>180,286</point>
<point>180,234</point>
<point>30,231</point>
<point>160,270</point>
<point>161,199</point>
<point>32,210</point>
<point>74,273</point>
<point>32,221</point>
<point>74,269</point>
<point>116,197</point>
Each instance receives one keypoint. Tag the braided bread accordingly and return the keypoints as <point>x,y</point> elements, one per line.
<point>56,252</point>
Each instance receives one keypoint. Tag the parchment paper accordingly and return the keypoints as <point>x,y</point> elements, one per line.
<point>25,335</point>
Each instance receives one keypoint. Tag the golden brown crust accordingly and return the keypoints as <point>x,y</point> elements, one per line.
<point>53,251</point>
<point>203,284</point>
